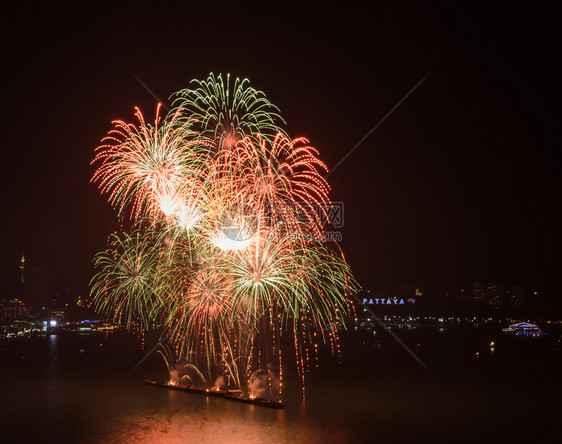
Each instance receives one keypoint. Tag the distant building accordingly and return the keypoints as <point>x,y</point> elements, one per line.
<point>406,290</point>
<point>478,292</point>
<point>58,315</point>
<point>462,295</point>
<point>494,295</point>
<point>13,310</point>
<point>22,268</point>
<point>409,291</point>
<point>532,300</point>
<point>516,297</point>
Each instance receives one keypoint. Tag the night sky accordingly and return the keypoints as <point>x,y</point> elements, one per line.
<point>460,183</point>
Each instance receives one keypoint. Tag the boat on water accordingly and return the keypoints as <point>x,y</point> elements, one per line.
<point>524,329</point>
<point>234,395</point>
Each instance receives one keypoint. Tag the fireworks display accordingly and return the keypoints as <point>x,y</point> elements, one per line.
<point>224,248</point>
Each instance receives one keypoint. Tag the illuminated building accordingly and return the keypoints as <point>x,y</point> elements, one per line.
<point>22,268</point>
<point>407,290</point>
<point>494,295</point>
<point>13,310</point>
<point>57,315</point>
<point>516,297</point>
<point>478,293</point>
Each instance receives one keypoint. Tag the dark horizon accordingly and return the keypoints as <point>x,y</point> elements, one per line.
<point>460,184</point>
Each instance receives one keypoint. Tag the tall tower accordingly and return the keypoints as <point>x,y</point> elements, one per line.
<point>22,268</point>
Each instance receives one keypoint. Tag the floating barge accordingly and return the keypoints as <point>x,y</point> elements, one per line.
<point>234,395</point>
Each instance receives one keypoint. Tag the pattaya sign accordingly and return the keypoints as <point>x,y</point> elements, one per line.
<point>386,301</point>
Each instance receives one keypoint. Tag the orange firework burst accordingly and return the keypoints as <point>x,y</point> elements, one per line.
<point>227,215</point>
